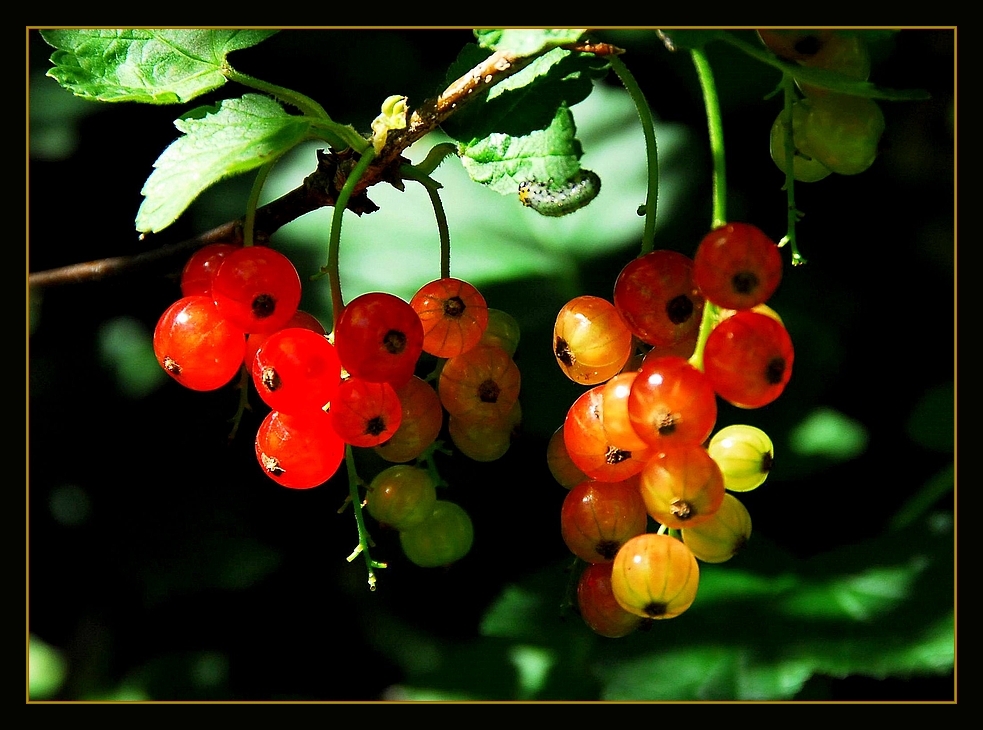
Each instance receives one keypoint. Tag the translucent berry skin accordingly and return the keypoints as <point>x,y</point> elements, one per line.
<point>298,451</point>
<point>196,345</point>
<point>682,486</point>
<point>657,298</point>
<point>296,370</point>
<point>502,331</point>
<point>597,518</point>
<point>561,466</point>
<point>401,496</point>
<point>748,359</point>
<point>737,266</point>
<point>419,426</point>
<point>454,316</point>
<point>722,536</point>
<point>198,272</point>
<point>843,132</point>
<point>804,168</point>
<point>655,576</point>
<point>485,440</point>
<point>591,342</point>
<point>364,413</point>
<point>615,417</point>
<point>671,402</point>
<point>257,289</point>
<point>598,606</point>
<point>379,338</point>
<point>480,384</point>
<point>443,538</point>
<point>300,319</point>
<point>745,455</point>
<point>588,446</point>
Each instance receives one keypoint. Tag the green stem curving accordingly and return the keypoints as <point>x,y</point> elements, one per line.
<point>363,533</point>
<point>651,150</point>
<point>715,127</point>
<point>334,243</point>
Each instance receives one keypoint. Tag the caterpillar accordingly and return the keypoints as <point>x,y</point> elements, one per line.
<point>556,200</point>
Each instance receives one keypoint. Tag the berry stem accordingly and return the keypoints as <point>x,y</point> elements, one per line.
<point>788,86</point>
<point>251,204</point>
<point>306,105</point>
<point>650,206</point>
<point>363,533</point>
<point>334,244</point>
<point>715,127</point>
<point>433,188</point>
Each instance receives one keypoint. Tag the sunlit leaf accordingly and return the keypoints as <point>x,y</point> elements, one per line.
<point>236,137</point>
<point>144,65</point>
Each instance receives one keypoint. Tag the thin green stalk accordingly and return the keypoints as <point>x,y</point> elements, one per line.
<point>716,129</point>
<point>788,86</point>
<point>334,243</point>
<point>306,105</point>
<point>420,173</point>
<point>715,126</point>
<point>363,533</point>
<point>651,150</point>
<point>253,202</point>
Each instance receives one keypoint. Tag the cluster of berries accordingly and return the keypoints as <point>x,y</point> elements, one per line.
<point>356,386</point>
<point>832,132</point>
<point>637,444</point>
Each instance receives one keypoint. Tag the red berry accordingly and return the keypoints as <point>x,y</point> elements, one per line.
<point>748,359</point>
<point>257,289</point>
<point>682,486</point>
<point>196,346</point>
<point>671,402</point>
<point>364,413</point>
<point>480,384</point>
<point>379,338</point>
<point>420,425</point>
<point>597,518</point>
<point>298,451</point>
<point>737,266</point>
<point>658,300</point>
<point>598,606</point>
<point>454,316</point>
<point>300,319</point>
<point>197,275</point>
<point>296,370</point>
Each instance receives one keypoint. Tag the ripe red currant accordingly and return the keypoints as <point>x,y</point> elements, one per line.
<point>480,384</point>
<point>420,424</point>
<point>657,298</point>
<point>682,486</point>
<point>379,338</point>
<point>298,451</point>
<point>196,345</point>
<point>597,518</point>
<point>257,289</point>
<point>364,413</point>
<point>671,402</point>
<point>737,266</point>
<point>454,316</point>
<point>296,370</point>
<point>198,272</point>
<point>748,359</point>
<point>598,606</point>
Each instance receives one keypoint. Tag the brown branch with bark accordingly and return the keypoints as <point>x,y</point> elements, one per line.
<point>320,188</point>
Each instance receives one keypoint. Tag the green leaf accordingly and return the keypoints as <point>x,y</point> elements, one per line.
<point>526,42</point>
<point>502,162</point>
<point>238,136</point>
<point>522,129</point>
<point>144,65</point>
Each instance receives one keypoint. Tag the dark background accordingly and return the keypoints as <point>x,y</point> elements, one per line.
<point>123,588</point>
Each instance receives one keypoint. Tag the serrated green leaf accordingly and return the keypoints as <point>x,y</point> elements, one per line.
<point>526,42</point>
<point>238,136</point>
<point>502,161</point>
<point>144,65</point>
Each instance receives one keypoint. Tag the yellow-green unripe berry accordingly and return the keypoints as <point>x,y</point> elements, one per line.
<point>744,454</point>
<point>401,496</point>
<point>804,168</point>
<point>719,538</point>
<point>443,538</point>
